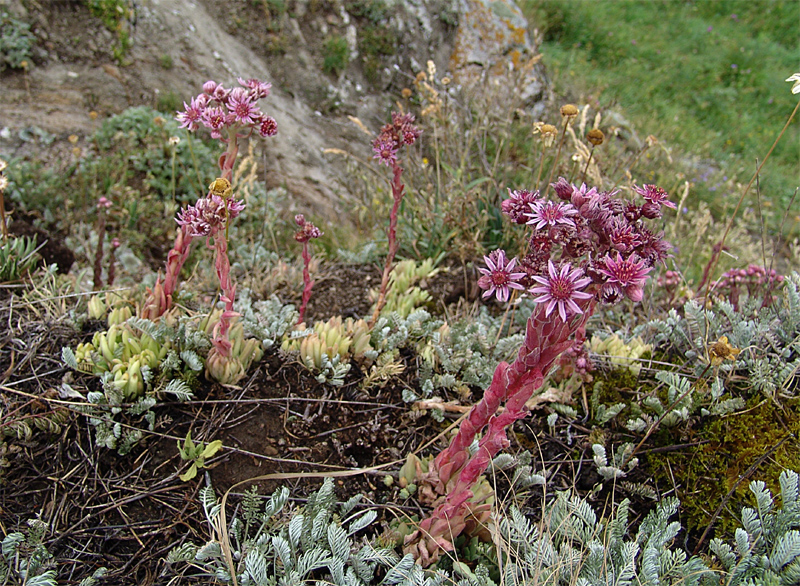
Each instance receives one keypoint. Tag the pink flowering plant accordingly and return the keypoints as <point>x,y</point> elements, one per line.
<point>590,248</point>
<point>306,232</point>
<point>392,137</point>
<point>230,115</point>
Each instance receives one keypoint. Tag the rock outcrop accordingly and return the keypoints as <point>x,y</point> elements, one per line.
<point>179,44</point>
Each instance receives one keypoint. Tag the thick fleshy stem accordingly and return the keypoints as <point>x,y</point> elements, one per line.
<point>308,284</point>
<point>159,299</point>
<point>398,190</point>
<point>112,261</point>
<point>458,472</point>
<point>222,266</point>
<point>222,263</point>
<point>306,232</point>
<point>102,205</point>
<point>545,340</point>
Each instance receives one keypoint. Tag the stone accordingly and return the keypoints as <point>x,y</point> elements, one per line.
<point>493,37</point>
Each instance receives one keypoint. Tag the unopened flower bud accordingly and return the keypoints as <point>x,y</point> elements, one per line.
<point>595,137</point>
<point>563,189</point>
<point>651,210</point>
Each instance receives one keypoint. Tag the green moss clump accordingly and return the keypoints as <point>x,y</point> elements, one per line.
<point>336,55</point>
<point>731,445</point>
<point>374,44</point>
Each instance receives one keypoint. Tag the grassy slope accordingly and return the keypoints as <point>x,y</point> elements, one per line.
<point>706,76</point>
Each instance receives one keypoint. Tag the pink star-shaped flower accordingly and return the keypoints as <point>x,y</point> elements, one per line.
<point>550,213</point>
<point>499,277</point>
<point>561,289</point>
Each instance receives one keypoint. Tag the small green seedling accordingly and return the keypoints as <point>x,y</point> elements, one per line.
<point>196,454</point>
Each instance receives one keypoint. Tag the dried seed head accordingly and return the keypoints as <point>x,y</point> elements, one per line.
<point>569,111</point>
<point>431,69</point>
<point>220,187</point>
<point>549,129</point>
<point>651,140</point>
<point>722,350</point>
<point>548,132</point>
<point>595,137</point>
<point>406,93</point>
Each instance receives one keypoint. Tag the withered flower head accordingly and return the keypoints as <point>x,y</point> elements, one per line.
<point>595,137</point>
<point>569,111</point>
<point>220,187</point>
<point>722,350</point>
<point>548,132</point>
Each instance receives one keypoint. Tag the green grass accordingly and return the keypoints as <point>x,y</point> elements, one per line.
<point>704,76</point>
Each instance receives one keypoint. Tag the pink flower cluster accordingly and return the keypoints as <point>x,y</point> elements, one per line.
<point>218,108</point>
<point>209,215</point>
<point>753,275</point>
<point>307,230</point>
<point>590,244</point>
<point>401,130</point>
<point>590,247</point>
<point>669,280</point>
<point>755,280</point>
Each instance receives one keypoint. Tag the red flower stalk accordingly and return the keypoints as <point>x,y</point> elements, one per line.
<point>399,132</point>
<point>307,232</point>
<point>112,261</point>
<point>454,472</point>
<point>234,113</point>
<point>102,205</point>
<point>159,298</point>
<point>222,266</point>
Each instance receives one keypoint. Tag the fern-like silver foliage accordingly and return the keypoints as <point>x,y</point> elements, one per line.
<point>769,337</point>
<point>572,547</point>
<point>766,551</point>
<point>317,544</point>
<point>268,320</point>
